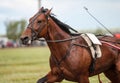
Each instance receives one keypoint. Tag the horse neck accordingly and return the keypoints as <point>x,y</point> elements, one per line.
<point>56,33</point>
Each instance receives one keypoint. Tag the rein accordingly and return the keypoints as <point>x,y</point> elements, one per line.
<point>58,41</point>
<point>114,46</point>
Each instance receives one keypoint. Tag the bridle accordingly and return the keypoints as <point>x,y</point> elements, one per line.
<point>35,33</point>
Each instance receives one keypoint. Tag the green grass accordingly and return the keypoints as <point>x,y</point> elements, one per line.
<point>27,65</point>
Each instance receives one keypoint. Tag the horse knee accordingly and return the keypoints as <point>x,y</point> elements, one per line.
<point>53,78</point>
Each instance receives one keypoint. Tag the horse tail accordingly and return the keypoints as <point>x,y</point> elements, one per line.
<point>99,79</point>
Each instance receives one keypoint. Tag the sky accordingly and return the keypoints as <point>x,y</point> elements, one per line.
<point>70,12</point>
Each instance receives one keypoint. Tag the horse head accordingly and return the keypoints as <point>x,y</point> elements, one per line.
<point>37,26</point>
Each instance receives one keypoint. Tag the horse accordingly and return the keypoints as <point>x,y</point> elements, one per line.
<point>70,57</point>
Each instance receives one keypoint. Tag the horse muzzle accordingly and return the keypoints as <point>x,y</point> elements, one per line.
<point>25,40</point>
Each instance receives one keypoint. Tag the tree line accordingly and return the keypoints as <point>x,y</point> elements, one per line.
<point>14,29</point>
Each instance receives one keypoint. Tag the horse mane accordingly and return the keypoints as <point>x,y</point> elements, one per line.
<point>62,25</point>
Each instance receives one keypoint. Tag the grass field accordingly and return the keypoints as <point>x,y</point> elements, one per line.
<point>27,65</point>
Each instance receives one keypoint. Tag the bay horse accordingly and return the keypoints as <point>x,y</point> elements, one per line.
<point>70,57</point>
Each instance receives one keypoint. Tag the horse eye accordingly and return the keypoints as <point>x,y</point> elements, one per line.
<point>39,21</point>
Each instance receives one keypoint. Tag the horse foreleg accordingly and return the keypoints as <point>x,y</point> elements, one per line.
<point>50,78</point>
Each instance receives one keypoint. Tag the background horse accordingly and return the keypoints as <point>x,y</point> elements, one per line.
<point>70,57</point>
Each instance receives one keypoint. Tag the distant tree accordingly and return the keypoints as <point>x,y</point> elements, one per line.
<point>15,28</point>
<point>99,31</point>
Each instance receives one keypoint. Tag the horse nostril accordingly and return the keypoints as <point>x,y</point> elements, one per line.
<point>24,40</point>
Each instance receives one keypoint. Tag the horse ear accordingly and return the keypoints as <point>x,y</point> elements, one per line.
<point>41,9</point>
<point>48,12</point>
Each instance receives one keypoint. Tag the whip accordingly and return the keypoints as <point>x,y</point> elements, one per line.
<point>98,21</point>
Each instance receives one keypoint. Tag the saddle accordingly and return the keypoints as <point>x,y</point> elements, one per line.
<point>93,43</point>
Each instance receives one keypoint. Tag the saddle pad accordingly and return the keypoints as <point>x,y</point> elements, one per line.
<point>93,38</point>
<point>93,51</point>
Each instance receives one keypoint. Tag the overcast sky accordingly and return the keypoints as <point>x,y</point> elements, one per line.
<point>69,11</point>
